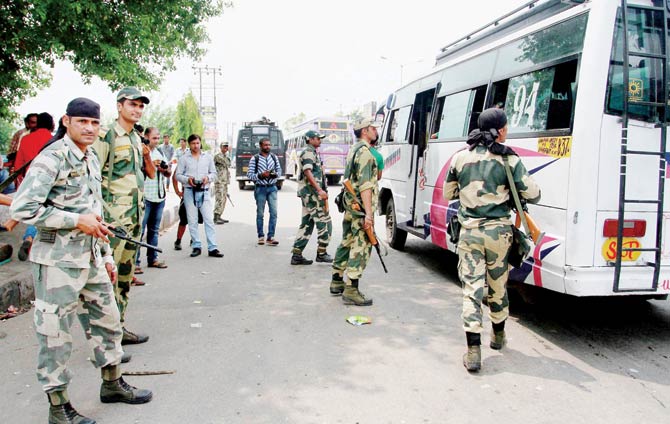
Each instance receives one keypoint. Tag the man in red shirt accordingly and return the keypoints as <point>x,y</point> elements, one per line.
<point>32,143</point>
<point>30,146</point>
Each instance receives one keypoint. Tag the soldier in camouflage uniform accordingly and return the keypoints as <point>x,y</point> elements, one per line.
<point>353,253</point>
<point>477,177</point>
<point>73,266</point>
<point>222,164</point>
<point>312,193</point>
<point>121,155</point>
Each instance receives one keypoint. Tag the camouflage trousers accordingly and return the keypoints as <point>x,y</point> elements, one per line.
<point>60,293</point>
<point>313,214</point>
<point>353,253</point>
<point>220,192</point>
<point>482,258</point>
<point>124,256</point>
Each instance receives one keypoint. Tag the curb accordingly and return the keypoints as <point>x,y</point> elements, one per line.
<point>20,290</point>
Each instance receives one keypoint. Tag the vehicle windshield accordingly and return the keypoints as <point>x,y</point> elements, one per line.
<point>248,140</point>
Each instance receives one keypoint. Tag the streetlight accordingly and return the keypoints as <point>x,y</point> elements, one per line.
<point>402,65</point>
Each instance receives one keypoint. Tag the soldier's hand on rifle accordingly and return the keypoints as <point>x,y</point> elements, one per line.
<point>112,272</point>
<point>322,194</point>
<point>91,224</point>
<point>369,222</point>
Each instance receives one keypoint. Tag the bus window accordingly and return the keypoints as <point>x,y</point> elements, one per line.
<point>538,101</point>
<point>460,112</point>
<point>558,41</point>
<point>455,115</point>
<point>399,119</point>
<point>645,35</point>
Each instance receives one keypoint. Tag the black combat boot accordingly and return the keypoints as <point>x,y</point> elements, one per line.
<point>472,360</point>
<point>131,338</point>
<point>66,414</point>
<point>218,220</point>
<point>62,412</point>
<point>324,257</point>
<point>115,389</point>
<point>298,259</point>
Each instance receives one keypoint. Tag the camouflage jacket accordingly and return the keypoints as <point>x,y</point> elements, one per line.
<point>309,160</point>
<point>222,165</point>
<point>479,180</point>
<point>52,196</point>
<point>127,182</point>
<point>362,172</point>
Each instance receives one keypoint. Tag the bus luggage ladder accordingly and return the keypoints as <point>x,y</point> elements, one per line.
<point>662,108</point>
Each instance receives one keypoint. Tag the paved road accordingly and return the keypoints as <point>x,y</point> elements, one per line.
<point>253,340</point>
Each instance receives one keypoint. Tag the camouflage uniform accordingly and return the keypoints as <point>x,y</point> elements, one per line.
<point>123,192</point>
<point>222,164</point>
<point>313,211</point>
<point>353,253</point>
<point>68,265</point>
<point>479,180</point>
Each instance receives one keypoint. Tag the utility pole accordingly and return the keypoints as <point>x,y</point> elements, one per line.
<point>207,101</point>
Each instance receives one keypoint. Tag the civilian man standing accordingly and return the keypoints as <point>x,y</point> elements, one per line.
<point>264,168</point>
<point>154,199</point>
<point>29,123</point>
<point>196,171</point>
<point>168,153</point>
<point>121,155</point>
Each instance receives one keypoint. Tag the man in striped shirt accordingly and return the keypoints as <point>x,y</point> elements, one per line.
<point>264,169</point>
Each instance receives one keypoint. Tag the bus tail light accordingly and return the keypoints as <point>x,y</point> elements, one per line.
<point>631,227</point>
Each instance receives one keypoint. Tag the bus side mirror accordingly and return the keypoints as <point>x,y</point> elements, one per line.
<point>390,100</point>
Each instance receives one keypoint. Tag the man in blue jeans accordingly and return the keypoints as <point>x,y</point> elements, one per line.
<point>264,169</point>
<point>196,172</point>
<point>154,201</point>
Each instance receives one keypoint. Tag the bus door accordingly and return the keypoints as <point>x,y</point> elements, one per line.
<point>420,127</point>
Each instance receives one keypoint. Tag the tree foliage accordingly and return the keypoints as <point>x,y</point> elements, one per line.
<point>7,130</point>
<point>124,42</point>
<point>293,121</point>
<point>188,119</point>
<point>161,118</point>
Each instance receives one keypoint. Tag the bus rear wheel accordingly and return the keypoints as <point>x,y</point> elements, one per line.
<point>280,183</point>
<point>332,179</point>
<point>241,184</point>
<point>395,237</point>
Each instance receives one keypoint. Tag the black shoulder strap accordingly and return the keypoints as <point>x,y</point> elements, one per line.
<point>347,171</point>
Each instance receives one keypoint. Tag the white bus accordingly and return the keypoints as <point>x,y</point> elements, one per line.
<point>558,68</point>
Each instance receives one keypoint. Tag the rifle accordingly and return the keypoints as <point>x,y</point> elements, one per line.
<point>121,234</point>
<point>370,232</point>
<point>230,200</point>
<point>535,232</point>
<point>13,176</point>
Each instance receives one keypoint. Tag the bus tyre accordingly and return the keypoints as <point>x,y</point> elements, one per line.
<point>280,183</point>
<point>240,184</point>
<point>394,236</point>
<point>332,179</point>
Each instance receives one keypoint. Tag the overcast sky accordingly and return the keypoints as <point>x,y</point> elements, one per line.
<point>280,58</point>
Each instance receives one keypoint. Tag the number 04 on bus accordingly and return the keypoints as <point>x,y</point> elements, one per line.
<point>583,84</point>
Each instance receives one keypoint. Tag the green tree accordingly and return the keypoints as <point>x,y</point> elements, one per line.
<point>161,118</point>
<point>124,42</point>
<point>188,119</point>
<point>7,130</point>
<point>293,121</point>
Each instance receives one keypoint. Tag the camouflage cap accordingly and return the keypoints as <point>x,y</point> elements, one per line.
<point>131,93</point>
<point>312,134</point>
<point>366,122</point>
<point>83,108</point>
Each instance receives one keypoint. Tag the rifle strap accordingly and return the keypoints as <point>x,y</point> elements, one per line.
<point>104,204</point>
<point>515,195</point>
